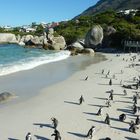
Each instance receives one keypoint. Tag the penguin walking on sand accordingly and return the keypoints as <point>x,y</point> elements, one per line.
<point>107,119</point>
<point>90,132</point>
<point>54,122</point>
<point>122,117</point>
<point>132,127</point>
<point>110,82</point>
<point>99,113</point>
<point>135,109</point>
<point>28,136</point>
<point>86,78</point>
<point>137,121</point>
<point>56,135</point>
<point>81,100</point>
<point>111,96</point>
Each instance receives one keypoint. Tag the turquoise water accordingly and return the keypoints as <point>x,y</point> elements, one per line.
<point>14,58</point>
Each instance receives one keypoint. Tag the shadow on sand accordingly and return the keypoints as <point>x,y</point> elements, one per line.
<point>125,110</point>
<point>90,113</point>
<point>100,98</point>
<point>96,121</point>
<point>78,134</point>
<point>12,139</point>
<point>41,138</point>
<point>122,129</point>
<point>130,138</point>
<point>74,103</point>
<point>97,105</point>
<point>127,102</point>
<point>41,125</point>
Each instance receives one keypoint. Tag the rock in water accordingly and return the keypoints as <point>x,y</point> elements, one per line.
<point>4,96</point>
<point>7,38</point>
<point>94,37</point>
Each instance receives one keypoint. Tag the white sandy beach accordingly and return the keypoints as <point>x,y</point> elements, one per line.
<point>60,101</point>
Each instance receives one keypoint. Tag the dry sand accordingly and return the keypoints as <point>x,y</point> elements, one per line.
<point>60,101</point>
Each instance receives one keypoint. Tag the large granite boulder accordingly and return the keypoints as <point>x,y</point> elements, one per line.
<point>109,30</point>
<point>7,38</point>
<point>50,34</point>
<point>94,37</point>
<point>58,43</point>
<point>5,96</point>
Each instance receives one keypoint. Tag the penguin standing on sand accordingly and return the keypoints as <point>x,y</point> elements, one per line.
<point>111,96</point>
<point>137,122</point>
<point>110,82</point>
<point>107,119</point>
<point>99,111</point>
<point>132,127</point>
<point>56,135</point>
<point>81,100</point>
<point>122,117</point>
<point>28,136</point>
<point>86,78</point>
<point>55,122</point>
<point>90,132</point>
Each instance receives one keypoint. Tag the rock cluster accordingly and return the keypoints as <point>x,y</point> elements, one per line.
<point>7,38</point>
<point>5,96</point>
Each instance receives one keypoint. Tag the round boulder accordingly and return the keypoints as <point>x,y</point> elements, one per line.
<point>94,37</point>
<point>4,96</point>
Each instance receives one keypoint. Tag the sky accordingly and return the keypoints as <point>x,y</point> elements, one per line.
<point>24,12</point>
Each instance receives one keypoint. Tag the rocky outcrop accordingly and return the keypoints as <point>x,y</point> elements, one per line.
<point>58,43</point>
<point>94,37</point>
<point>7,38</point>
<point>108,32</point>
<point>5,96</point>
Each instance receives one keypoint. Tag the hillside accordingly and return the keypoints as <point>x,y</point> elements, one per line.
<point>116,5</point>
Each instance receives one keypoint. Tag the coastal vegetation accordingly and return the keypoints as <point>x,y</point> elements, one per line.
<point>126,26</point>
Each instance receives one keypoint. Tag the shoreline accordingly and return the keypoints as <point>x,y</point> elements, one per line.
<point>34,80</point>
<point>60,101</point>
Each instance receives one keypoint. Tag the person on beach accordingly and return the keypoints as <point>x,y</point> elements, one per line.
<point>110,82</point>
<point>81,100</point>
<point>122,117</point>
<point>54,122</point>
<point>90,132</point>
<point>56,135</point>
<point>137,121</point>
<point>86,78</point>
<point>28,136</point>
<point>107,119</point>
<point>100,111</point>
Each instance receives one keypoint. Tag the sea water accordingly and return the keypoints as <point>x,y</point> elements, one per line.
<point>14,58</point>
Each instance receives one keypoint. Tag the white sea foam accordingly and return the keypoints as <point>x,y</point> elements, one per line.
<point>33,62</point>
